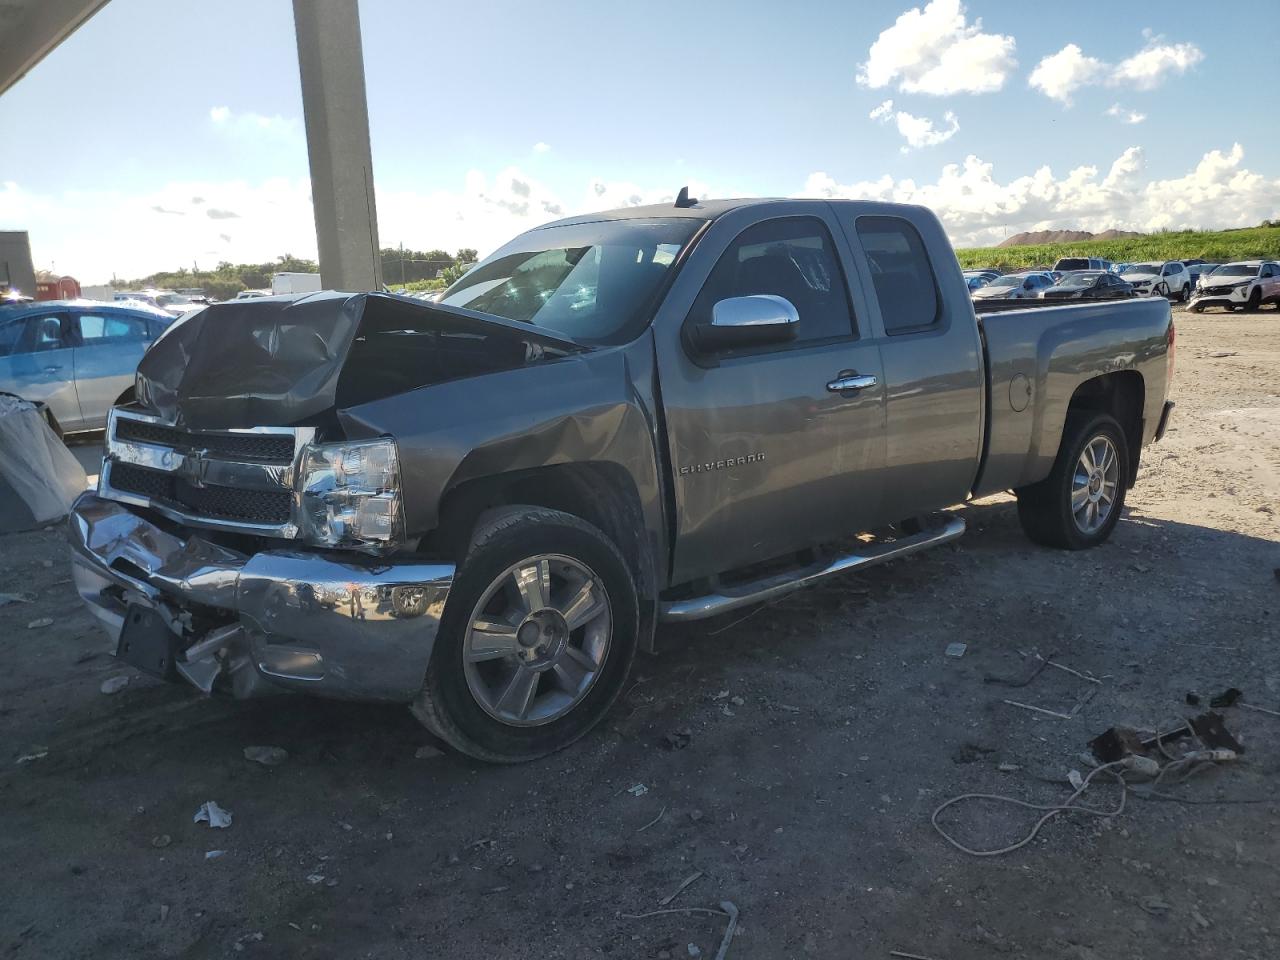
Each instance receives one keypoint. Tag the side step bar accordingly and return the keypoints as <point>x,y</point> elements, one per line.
<point>769,588</point>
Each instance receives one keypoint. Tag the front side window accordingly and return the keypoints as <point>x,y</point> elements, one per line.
<point>794,258</point>
<point>903,276</point>
<point>11,336</point>
<point>592,282</point>
<point>45,333</point>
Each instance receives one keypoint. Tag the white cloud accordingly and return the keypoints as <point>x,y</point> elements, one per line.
<point>484,210</point>
<point>1060,74</point>
<point>1125,114</point>
<point>917,131</point>
<point>541,147</point>
<point>979,210</point>
<point>1147,68</point>
<point>164,228</point>
<point>936,51</point>
<point>256,125</point>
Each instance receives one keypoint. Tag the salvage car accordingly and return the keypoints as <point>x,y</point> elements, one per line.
<point>482,507</point>
<point>1163,278</point>
<point>1014,286</point>
<point>1088,285</point>
<point>1068,264</point>
<point>76,358</point>
<point>1244,285</point>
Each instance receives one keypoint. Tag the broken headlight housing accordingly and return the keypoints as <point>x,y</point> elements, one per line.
<point>349,495</point>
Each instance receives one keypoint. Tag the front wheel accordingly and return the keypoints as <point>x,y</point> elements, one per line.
<point>537,638</point>
<point>1255,301</point>
<point>1079,503</point>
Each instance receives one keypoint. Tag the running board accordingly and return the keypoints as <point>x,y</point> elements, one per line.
<point>778,585</point>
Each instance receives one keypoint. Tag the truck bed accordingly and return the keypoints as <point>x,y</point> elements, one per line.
<point>1039,354</point>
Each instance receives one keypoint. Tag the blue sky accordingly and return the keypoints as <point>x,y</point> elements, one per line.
<point>488,117</point>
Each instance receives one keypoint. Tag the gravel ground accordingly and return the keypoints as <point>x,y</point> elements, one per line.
<point>790,760</point>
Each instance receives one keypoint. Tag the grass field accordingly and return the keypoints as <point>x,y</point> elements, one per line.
<point>1220,246</point>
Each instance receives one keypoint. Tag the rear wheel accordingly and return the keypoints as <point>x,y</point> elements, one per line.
<point>1079,503</point>
<point>537,638</point>
<point>1186,293</point>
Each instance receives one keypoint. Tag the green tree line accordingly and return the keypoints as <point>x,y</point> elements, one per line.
<point>416,269</point>
<point>1216,246</point>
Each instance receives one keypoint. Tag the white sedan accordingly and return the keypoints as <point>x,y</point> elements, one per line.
<point>1014,286</point>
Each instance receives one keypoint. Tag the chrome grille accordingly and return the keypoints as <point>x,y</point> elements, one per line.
<point>275,448</point>
<point>239,480</point>
<point>215,502</point>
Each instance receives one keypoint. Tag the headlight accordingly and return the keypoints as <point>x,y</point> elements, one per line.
<point>350,494</point>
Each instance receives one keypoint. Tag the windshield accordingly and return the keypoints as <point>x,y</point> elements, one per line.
<point>593,282</point>
<point>1079,280</point>
<point>1142,268</point>
<point>1006,281</point>
<point>1072,263</point>
<point>1236,270</point>
<point>171,299</point>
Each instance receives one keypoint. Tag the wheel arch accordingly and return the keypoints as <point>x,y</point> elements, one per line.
<point>1122,395</point>
<point>602,493</point>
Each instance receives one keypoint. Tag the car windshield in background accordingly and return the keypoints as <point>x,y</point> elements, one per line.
<point>593,282</point>
<point>1072,263</point>
<point>1008,280</point>
<point>1236,270</point>
<point>1141,268</point>
<point>1079,279</point>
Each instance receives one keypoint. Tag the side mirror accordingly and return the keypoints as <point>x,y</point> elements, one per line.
<point>747,321</point>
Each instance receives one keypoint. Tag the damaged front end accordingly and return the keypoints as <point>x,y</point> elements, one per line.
<point>238,538</point>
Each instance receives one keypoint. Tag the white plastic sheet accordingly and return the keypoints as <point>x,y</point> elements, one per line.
<point>35,466</point>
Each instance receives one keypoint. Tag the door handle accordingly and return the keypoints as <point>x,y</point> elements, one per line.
<point>851,382</point>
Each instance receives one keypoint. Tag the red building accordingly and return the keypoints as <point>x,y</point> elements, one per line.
<point>57,288</point>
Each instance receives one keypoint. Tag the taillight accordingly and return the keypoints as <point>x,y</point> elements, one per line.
<point>1171,339</point>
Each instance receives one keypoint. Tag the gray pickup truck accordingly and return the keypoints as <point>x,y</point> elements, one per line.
<point>483,506</point>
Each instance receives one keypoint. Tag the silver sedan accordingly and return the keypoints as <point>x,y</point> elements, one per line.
<point>77,357</point>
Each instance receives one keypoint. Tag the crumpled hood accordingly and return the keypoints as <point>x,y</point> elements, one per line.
<point>282,361</point>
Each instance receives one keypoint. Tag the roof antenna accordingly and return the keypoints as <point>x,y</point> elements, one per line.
<point>684,200</point>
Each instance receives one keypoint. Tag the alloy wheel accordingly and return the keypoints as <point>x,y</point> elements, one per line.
<point>537,640</point>
<point>1094,484</point>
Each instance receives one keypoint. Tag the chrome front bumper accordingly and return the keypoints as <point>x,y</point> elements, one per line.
<point>335,626</point>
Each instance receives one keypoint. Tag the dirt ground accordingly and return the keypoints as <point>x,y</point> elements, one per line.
<point>821,734</point>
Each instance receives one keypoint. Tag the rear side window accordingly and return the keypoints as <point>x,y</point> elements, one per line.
<point>792,257</point>
<point>98,328</point>
<point>900,269</point>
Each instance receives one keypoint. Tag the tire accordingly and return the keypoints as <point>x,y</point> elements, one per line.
<point>1045,508</point>
<point>1255,301</point>
<point>460,700</point>
<point>1196,308</point>
<point>1186,293</point>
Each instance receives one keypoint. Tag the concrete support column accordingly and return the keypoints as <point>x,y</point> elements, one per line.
<point>331,64</point>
